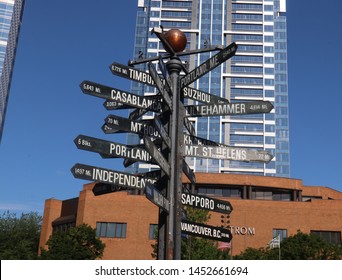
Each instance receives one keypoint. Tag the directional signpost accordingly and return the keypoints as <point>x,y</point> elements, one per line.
<point>164,142</point>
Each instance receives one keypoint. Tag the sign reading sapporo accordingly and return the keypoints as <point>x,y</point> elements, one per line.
<point>206,203</point>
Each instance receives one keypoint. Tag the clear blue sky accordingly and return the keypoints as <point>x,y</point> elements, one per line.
<point>65,42</point>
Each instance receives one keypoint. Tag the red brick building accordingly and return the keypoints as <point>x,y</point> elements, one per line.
<point>262,208</point>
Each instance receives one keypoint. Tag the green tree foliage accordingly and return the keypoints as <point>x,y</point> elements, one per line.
<point>77,243</point>
<point>300,246</point>
<point>19,237</point>
<point>303,246</point>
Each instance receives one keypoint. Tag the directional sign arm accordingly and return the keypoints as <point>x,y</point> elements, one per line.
<point>108,176</point>
<point>209,65</point>
<point>227,153</point>
<point>237,108</point>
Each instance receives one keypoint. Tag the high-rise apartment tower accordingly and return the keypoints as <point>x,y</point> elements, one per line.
<point>10,19</point>
<point>258,71</point>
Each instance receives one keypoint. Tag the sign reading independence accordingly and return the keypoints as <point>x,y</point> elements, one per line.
<point>98,174</point>
<point>210,232</point>
<point>209,65</point>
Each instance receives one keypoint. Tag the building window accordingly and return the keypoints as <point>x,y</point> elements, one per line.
<point>281,232</point>
<point>229,191</point>
<point>153,231</point>
<point>333,237</point>
<point>63,227</point>
<point>261,194</point>
<point>113,230</point>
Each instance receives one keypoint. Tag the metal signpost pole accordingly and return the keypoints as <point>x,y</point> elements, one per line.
<point>174,67</point>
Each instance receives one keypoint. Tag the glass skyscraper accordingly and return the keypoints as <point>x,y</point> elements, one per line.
<point>258,71</point>
<point>10,19</point>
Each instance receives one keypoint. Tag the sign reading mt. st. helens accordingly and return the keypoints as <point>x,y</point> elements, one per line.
<point>227,153</point>
<point>98,174</point>
<point>237,108</point>
<point>120,96</point>
<point>208,65</point>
